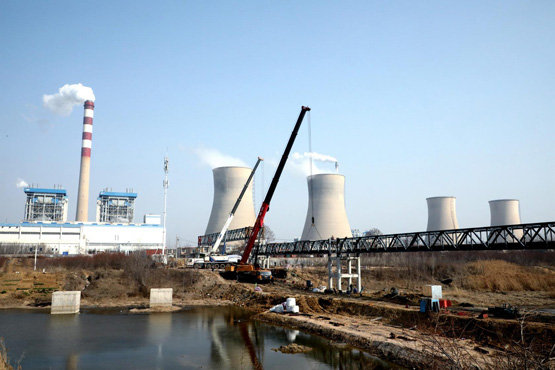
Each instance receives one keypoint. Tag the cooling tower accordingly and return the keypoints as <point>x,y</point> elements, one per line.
<point>228,183</point>
<point>84,174</point>
<point>441,214</point>
<point>505,212</point>
<point>326,215</point>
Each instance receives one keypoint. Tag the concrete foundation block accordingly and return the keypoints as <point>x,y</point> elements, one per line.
<point>65,302</point>
<point>161,297</point>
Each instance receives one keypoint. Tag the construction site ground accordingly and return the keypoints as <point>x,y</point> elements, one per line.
<point>384,324</point>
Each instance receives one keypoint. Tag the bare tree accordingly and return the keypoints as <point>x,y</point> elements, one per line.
<point>269,234</point>
<point>373,232</point>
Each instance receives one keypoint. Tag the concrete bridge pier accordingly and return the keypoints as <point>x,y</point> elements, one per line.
<point>343,270</point>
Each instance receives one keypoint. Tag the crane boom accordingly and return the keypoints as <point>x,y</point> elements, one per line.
<point>259,223</point>
<point>232,213</point>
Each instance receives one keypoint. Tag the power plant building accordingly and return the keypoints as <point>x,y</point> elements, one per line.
<point>114,207</point>
<point>326,216</point>
<point>45,228</point>
<point>45,204</point>
<point>61,238</point>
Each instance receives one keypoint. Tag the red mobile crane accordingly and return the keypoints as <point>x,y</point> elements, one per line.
<point>244,270</point>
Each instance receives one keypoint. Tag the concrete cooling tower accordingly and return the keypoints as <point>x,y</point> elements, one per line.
<point>505,212</point>
<point>441,214</point>
<point>326,215</point>
<point>228,183</point>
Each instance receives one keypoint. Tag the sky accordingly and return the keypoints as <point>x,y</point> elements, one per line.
<point>414,100</point>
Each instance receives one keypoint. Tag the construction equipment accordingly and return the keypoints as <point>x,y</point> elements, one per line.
<point>212,259</point>
<point>251,272</point>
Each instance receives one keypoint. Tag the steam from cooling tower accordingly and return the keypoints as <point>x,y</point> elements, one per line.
<point>20,183</point>
<point>215,159</point>
<point>315,156</point>
<point>67,97</point>
<point>302,162</point>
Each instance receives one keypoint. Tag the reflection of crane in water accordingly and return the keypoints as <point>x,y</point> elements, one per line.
<point>243,328</point>
<point>226,349</point>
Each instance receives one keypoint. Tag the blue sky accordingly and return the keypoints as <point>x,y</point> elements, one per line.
<point>415,99</point>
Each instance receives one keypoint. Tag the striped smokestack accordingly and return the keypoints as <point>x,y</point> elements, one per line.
<point>84,174</point>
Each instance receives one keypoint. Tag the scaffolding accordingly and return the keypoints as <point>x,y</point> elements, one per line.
<point>115,207</point>
<point>45,204</point>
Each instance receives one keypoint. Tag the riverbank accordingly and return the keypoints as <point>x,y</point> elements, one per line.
<point>390,327</point>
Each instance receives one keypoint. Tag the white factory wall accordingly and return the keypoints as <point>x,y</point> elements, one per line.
<point>123,238</point>
<point>79,238</point>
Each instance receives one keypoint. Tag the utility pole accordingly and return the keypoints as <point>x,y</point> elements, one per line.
<point>166,161</point>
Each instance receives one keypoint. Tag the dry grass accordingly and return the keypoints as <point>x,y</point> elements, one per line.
<point>494,276</point>
<point>114,261</point>
<point>490,271</point>
<point>487,271</point>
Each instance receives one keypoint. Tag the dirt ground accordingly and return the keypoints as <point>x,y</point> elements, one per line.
<point>375,321</point>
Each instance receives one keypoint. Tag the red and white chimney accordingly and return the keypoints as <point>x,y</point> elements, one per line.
<point>84,174</point>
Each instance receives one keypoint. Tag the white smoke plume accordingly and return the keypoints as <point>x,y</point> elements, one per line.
<point>20,183</point>
<point>301,163</point>
<point>214,158</point>
<point>315,156</point>
<point>67,97</point>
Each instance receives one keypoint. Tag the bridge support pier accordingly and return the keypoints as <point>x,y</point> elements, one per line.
<point>344,270</point>
<point>264,262</point>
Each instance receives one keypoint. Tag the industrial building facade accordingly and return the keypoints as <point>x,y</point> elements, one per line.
<point>45,204</point>
<point>45,228</point>
<point>70,238</point>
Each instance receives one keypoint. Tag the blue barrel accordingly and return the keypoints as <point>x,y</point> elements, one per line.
<point>422,305</point>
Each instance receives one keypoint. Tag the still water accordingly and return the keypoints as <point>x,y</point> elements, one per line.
<point>202,337</point>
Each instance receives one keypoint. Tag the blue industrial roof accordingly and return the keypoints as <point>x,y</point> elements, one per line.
<point>116,194</point>
<point>45,191</point>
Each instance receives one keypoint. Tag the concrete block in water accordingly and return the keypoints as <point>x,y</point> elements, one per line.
<point>161,297</point>
<point>65,302</point>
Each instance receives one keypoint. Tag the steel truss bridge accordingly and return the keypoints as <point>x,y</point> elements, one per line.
<point>230,236</point>
<point>508,237</point>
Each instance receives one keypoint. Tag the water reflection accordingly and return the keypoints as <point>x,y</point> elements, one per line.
<point>72,361</point>
<point>159,329</point>
<point>211,338</point>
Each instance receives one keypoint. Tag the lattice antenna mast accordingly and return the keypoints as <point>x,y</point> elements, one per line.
<point>166,183</point>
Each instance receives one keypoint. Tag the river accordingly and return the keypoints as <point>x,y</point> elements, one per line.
<point>196,338</point>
